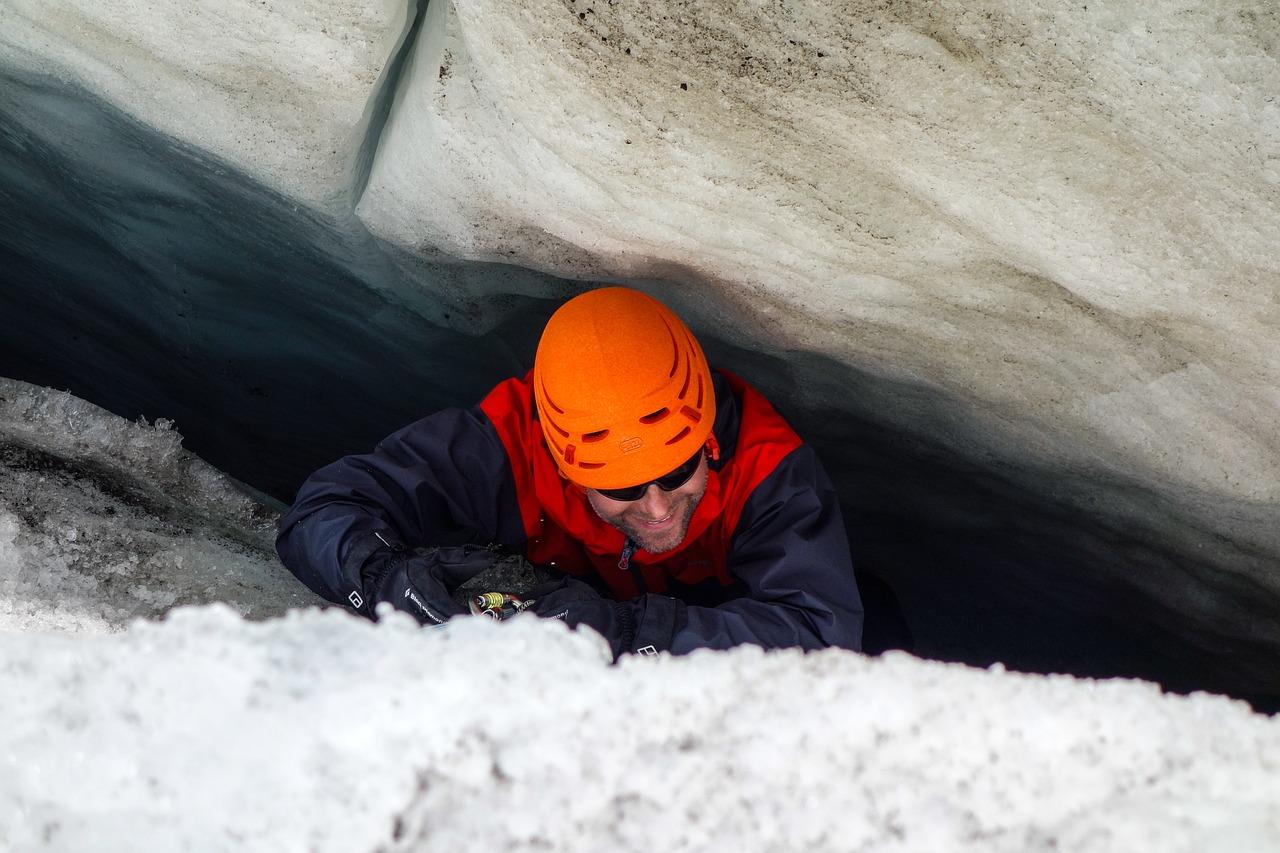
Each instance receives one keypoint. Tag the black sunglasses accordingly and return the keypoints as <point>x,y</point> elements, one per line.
<point>668,483</point>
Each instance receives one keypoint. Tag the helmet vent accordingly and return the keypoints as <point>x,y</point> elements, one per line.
<point>546,398</point>
<point>655,417</point>
<point>570,452</point>
<point>675,345</point>
<point>681,434</point>
<point>598,435</point>
<point>691,413</point>
<point>688,377</point>
<point>699,403</point>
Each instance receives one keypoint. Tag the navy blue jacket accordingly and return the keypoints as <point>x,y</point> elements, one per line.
<point>766,559</point>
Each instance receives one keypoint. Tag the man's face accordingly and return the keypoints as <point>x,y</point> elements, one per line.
<point>659,520</point>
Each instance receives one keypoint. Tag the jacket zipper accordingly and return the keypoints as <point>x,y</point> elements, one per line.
<point>629,549</point>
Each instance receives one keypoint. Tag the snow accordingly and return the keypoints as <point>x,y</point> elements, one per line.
<point>312,729</point>
<point>318,731</point>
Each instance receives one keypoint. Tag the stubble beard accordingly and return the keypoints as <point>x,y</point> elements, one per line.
<point>656,543</point>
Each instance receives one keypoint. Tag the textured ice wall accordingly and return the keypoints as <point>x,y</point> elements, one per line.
<point>103,521</point>
<point>160,261</point>
<point>1068,215</point>
<point>285,90</point>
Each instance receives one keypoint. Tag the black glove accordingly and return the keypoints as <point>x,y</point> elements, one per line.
<point>576,603</point>
<point>416,585</point>
<point>423,582</point>
<point>563,590</point>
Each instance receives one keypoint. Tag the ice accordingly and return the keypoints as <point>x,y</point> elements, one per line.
<point>286,89</point>
<point>103,520</point>
<point>1055,212</point>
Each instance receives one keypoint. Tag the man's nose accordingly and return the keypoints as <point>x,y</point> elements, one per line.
<point>655,504</point>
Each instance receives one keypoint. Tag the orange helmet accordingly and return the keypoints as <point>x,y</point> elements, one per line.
<point>623,389</point>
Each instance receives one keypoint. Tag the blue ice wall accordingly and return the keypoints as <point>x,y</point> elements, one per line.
<point>146,278</point>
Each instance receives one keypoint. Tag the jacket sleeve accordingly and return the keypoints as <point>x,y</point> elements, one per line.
<point>791,551</point>
<point>444,479</point>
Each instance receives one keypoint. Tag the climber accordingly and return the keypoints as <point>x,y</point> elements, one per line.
<point>672,506</point>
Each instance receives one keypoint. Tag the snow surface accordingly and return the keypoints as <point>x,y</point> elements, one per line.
<point>317,730</point>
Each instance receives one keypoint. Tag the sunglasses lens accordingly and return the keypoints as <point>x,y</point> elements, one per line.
<point>630,493</point>
<point>668,483</point>
<point>680,476</point>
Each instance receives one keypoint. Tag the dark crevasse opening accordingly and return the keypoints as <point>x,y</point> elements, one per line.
<point>146,278</point>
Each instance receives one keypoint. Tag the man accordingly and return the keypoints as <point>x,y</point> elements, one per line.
<point>677,507</point>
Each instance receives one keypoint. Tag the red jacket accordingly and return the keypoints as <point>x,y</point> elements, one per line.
<point>551,506</point>
<point>765,561</point>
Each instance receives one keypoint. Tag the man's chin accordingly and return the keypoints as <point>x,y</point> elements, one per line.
<point>658,543</point>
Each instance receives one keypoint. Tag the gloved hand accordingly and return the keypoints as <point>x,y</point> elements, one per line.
<point>562,591</point>
<point>422,582</point>
<point>576,603</point>
<point>414,585</point>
